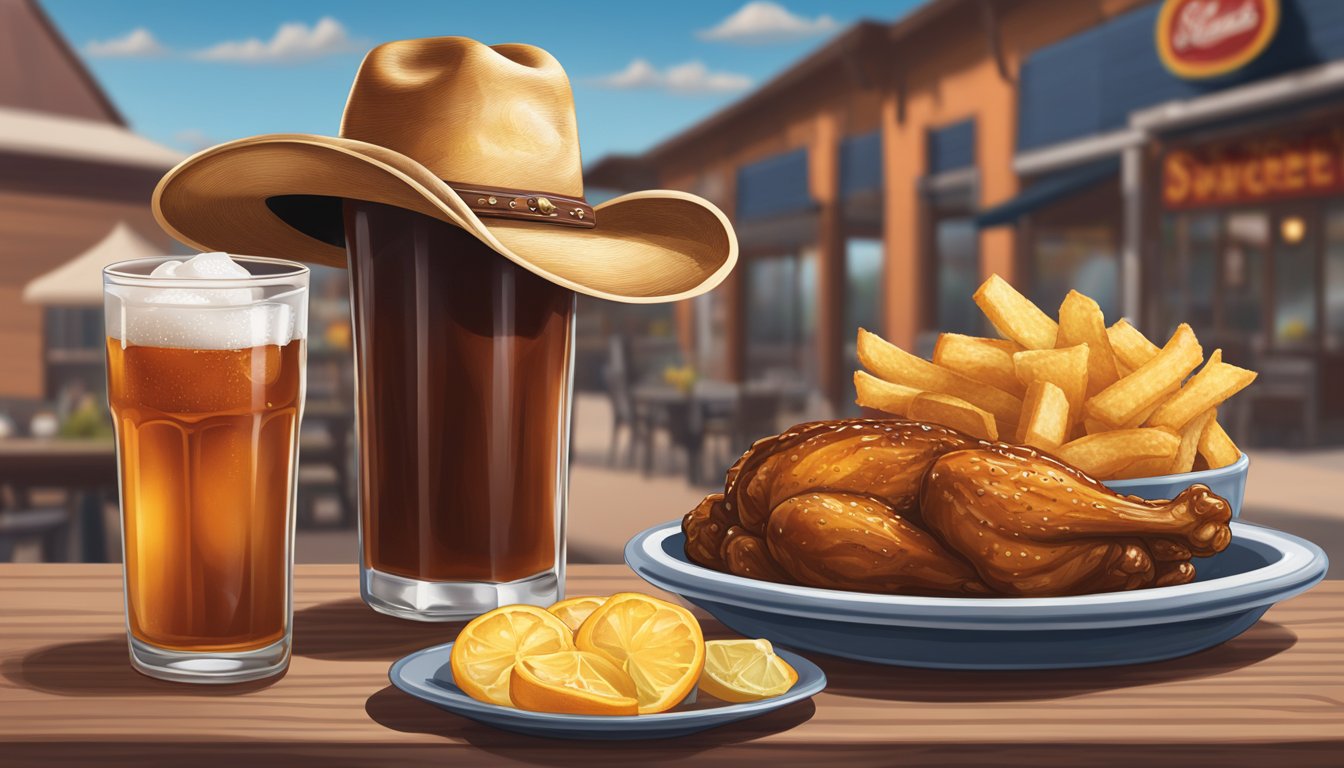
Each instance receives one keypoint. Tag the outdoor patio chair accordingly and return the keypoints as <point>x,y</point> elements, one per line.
<point>618,377</point>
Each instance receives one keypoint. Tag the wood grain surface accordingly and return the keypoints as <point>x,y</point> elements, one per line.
<point>1274,696</point>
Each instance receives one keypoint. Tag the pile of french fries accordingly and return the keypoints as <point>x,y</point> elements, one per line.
<point>1104,399</point>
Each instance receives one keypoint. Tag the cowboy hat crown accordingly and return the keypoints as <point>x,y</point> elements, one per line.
<point>482,137</point>
<point>500,116</point>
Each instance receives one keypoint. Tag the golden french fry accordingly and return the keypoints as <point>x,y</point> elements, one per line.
<point>1065,368</point>
<point>1045,416</point>
<point>1007,345</point>
<point>1142,416</point>
<point>1122,401</point>
<point>883,395</point>
<point>955,413</point>
<point>1216,447</point>
<point>1214,383</point>
<point>1014,316</point>
<point>1190,435</point>
<point>1104,454</point>
<point>971,356</point>
<point>1132,349</point>
<point>1092,426</point>
<point>894,364</point>
<point>1081,322</point>
<point>1155,466</point>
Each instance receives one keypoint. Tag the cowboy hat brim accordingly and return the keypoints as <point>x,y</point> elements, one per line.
<point>647,247</point>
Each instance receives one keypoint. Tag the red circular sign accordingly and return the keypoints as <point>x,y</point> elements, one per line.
<point>1207,38</point>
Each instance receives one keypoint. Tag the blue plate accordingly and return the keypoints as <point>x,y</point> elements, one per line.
<point>427,675</point>
<point>1232,590</point>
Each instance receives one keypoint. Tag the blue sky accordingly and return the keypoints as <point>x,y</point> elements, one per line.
<point>193,74</point>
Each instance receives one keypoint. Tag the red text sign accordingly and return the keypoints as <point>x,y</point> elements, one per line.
<point>1253,171</point>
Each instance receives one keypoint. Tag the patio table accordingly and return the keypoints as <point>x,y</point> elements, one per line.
<point>683,413</point>
<point>1274,696</point>
<point>87,467</point>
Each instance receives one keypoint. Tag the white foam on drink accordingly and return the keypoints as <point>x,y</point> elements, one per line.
<point>199,317</point>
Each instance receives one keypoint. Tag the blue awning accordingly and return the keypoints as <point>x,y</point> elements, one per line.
<point>1047,190</point>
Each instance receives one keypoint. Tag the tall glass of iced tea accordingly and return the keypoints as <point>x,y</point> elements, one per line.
<point>464,365</point>
<point>205,373</point>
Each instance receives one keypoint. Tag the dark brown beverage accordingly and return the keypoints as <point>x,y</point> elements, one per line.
<point>463,377</point>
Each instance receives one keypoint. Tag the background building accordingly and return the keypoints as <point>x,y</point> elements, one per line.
<point>70,172</point>
<point>1173,167</point>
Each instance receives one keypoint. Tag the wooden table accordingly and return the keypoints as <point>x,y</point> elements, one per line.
<point>87,467</point>
<point>1274,696</point>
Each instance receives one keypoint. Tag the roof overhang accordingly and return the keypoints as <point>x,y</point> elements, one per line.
<point>68,138</point>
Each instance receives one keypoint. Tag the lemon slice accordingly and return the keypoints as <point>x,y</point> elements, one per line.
<point>572,683</point>
<point>657,643</point>
<point>488,648</point>
<point>745,670</point>
<point>575,610</point>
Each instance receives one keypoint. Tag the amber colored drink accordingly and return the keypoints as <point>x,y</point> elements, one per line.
<point>207,444</point>
<point>463,378</point>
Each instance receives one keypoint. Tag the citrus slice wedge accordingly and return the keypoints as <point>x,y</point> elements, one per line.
<point>658,644</point>
<point>492,643</point>
<point>572,683</point>
<point>575,610</point>
<point>745,670</point>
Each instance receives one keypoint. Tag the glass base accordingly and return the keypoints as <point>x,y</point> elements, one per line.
<point>452,600</point>
<point>210,667</point>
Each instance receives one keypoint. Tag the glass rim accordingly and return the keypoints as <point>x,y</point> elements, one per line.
<point>116,274</point>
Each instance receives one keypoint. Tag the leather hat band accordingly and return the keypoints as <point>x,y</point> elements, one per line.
<point>526,206</point>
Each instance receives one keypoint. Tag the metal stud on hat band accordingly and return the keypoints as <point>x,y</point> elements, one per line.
<point>545,207</point>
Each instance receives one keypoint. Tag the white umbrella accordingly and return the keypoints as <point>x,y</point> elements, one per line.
<point>79,282</point>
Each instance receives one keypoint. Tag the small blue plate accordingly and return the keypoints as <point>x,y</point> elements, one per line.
<point>1231,591</point>
<point>428,676</point>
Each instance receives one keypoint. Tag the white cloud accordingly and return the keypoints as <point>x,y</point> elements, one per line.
<point>761,21</point>
<point>137,42</point>
<point>693,77</point>
<point>294,41</point>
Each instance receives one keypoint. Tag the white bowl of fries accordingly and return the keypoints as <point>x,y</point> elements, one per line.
<point>1141,418</point>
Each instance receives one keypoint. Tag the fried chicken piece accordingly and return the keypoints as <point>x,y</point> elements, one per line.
<point>884,459</point>
<point>1034,526</point>
<point>747,555</point>
<point>850,542</point>
<point>705,528</point>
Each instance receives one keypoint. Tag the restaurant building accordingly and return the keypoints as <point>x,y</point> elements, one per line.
<point>1178,161</point>
<point>71,172</point>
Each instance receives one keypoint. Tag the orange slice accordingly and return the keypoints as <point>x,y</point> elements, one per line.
<point>657,643</point>
<point>488,648</point>
<point>745,670</point>
<point>575,610</point>
<point>572,683</point>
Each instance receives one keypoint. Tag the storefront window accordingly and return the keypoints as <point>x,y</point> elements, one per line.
<point>958,249</point>
<point>781,316</point>
<point>1188,272</point>
<point>1334,279</point>
<point>863,292</point>
<point>1294,282</point>
<point>1201,271</point>
<point>1081,258</point>
<point>1245,248</point>
<point>711,345</point>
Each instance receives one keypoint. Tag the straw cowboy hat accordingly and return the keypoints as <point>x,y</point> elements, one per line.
<point>482,137</point>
